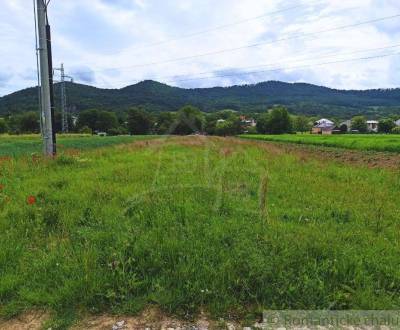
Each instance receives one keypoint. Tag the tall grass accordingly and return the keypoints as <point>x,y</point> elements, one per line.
<point>368,142</point>
<point>181,224</point>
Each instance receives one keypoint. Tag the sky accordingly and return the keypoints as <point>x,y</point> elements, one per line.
<point>352,44</point>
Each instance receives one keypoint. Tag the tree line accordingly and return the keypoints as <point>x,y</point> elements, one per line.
<point>185,121</point>
<point>135,121</point>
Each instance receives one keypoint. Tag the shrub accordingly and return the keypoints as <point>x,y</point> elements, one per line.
<point>396,130</point>
<point>114,132</point>
<point>386,125</point>
<point>86,130</point>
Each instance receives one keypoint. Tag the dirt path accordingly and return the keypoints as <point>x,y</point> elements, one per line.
<point>150,319</point>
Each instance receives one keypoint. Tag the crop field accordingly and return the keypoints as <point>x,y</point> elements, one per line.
<point>224,226</point>
<point>365,142</point>
<point>31,144</point>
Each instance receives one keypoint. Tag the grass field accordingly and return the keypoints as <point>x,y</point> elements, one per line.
<point>366,142</point>
<point>226,226</point>
<point>31,144</point>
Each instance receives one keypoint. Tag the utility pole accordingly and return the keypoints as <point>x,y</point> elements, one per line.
<point>64,108</point>
<point>46,79</point>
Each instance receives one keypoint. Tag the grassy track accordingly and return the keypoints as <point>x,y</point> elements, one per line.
<point>222,225</point>
<point>389,143</point>
<point>30,144</point>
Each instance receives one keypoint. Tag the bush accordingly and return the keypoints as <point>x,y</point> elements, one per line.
<point>114,131</point>
<point>396,130</point>
<point>117,131</point>
<point>86,130</point>
<point>251,130</point>
<point>386,125</point>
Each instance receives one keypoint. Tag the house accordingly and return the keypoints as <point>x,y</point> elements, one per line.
<point>247,122</point>
<point>323,126</point>
<point>397,122</point>
<point>372,126</point>
<point>346,123</point>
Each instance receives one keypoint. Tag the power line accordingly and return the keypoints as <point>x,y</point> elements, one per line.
<point>293,37</point>
<point>224,26</point>
<point>217,74</point>
<point>328,55</point>
<point>287,68</point>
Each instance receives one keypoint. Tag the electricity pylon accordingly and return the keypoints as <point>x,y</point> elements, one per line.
<point>64,108</point>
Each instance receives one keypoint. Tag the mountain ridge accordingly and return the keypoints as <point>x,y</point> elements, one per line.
<point>300,98</point>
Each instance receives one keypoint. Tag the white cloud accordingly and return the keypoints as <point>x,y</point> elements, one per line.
<point>104,41</point>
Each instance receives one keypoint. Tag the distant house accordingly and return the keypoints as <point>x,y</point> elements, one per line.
<point>397,122</point>
<point>372,126</point>
<point>248,122</point>
<point>346,123</point>
<point>323,126</point>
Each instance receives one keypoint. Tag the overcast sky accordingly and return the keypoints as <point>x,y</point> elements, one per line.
<point>202,43</point>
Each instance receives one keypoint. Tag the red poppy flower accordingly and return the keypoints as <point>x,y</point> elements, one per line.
<point>31,200</point>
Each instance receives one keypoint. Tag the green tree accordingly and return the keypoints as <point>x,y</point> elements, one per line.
<point>277,121</point>
<point>301,124</point>
<point>139,122</point>
<point>189,120</point>
<point>28,122</point>
<point>88,118</point>
<point>386,125</point>
<point>97,120</point>
<point>106,121</point>
<point>3,126</point>
<point>58,124</point>
<point>165,123</point>
<point>223,123</point>
<point>229,127</point>
<point>262,123</point>
<point>359,123</point>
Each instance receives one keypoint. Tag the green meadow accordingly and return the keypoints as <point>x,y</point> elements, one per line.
<point>11,145</point>
<point>229,227</point>
<point>365,142</point>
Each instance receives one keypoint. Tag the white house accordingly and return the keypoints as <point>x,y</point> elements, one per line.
<point>397,122</point>
<point>372,126</point>
<point>323,126</point>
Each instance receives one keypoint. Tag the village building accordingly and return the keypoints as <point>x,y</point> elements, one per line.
<point>248,122</point>
<point>372,126</point>
<point>323,126</point>
<point>346,123</point>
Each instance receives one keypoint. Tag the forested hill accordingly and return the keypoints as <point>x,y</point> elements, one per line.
<point>298,97</point>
